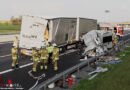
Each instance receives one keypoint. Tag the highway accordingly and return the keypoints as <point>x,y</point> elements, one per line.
<point>21,76</point>
<point>126,35</point>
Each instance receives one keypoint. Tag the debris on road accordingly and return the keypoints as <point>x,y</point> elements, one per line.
<point>115,62</point>
<point>111,58</point>
<point>122,55</point>
<point>93,76</point>
<point>96,72</point>
<point>99,69</point>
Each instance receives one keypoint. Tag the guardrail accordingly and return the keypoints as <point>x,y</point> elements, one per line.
<point>68,71</point>
<point>77,67</point>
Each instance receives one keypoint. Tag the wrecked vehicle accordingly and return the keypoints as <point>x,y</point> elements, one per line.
<point>97,42</point>
<point>63,31</point>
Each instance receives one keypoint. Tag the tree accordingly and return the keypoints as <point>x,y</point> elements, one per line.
<point>16,21</point>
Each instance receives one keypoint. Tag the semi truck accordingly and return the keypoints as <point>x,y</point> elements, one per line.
<point>63,31</point>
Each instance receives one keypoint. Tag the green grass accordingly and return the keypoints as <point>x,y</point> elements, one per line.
<point>9,27</point>
<point>117,78</point>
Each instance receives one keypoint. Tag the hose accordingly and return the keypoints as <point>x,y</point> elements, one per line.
<point>36,78</point>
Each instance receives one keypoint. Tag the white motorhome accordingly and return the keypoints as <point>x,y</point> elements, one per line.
<point>97,40</point>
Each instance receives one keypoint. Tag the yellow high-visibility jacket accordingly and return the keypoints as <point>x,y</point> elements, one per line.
<point>50,49</point>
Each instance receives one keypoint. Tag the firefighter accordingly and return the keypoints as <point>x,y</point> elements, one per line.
<point>14,57</point>
<point>50,50</point>
<point>115,40</point>
<point>55,56</point>
<point>43,56</point>
<point>35,57</point>
<point>16,42</point>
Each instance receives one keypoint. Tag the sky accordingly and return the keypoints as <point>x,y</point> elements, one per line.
<point>119,10</point>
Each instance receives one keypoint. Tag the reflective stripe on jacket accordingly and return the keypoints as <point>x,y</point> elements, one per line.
<point>14,53</point>
<point>43,54</point>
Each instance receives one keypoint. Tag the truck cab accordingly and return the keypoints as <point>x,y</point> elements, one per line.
<point>119,31</point>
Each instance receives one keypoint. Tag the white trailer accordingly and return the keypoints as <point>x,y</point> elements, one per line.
<point>61,31</point>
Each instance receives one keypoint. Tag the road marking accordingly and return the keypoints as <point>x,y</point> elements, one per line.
<point>9,70</point>
<point>26,65</point>
<point>5,55</point>
<point>5,42</point>
<point>60,55</point>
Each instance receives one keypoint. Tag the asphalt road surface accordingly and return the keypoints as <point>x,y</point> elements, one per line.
<point>21,76</point>
<point>126,35</point>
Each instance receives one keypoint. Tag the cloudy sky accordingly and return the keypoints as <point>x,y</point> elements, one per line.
<point>119,9</point>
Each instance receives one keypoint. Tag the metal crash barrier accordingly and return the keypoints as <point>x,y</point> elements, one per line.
<point>121,45</point>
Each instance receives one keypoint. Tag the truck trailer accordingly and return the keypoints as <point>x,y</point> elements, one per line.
<point>62,31</point>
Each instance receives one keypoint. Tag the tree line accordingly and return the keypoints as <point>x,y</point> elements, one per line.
<point>16,21</point>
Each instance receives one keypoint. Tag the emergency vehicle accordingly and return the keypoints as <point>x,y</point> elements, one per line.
<point>119,31</point>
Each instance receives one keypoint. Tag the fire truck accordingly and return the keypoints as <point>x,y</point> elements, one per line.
<point>119,31</point>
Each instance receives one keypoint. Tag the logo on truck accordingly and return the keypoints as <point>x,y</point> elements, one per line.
<point>31,36</point>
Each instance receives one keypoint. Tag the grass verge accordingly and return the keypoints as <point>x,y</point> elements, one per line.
<point>117,78</point>
<point>9,27</point>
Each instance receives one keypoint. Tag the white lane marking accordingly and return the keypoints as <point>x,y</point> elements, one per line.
<point>9,70</point>
<point>26,65</point>
<point>5,55</point>
<point>60,55</point>
<point>5,42</point>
